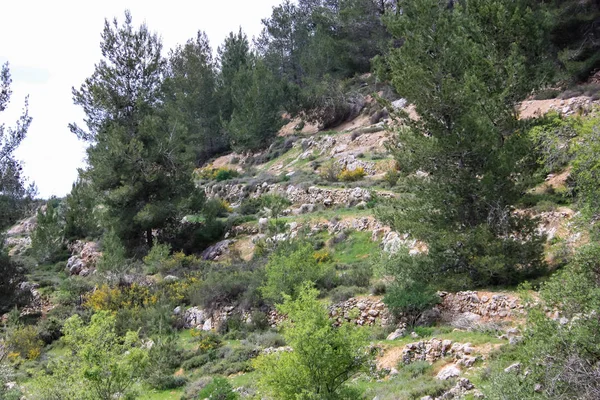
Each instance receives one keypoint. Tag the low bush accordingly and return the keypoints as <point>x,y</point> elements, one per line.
<point>410,300</point>
<point>391,177</point>
<point>24,342</point>
<point>343,293</point>
<point>358,274</point>
<point>216,174</point>
<point>266,339</point>
<point>193,389</point>
<point>218,389</point>
<point>250,206</point>
<point>353,175</point>
<point>416,368</point>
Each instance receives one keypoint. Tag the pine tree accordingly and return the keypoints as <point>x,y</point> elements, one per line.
<point>139,162</point>
<point>464,67</point>
<point>13,193</point>
<point>192,97</point>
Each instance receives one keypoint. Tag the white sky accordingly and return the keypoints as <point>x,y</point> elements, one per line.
<point>53,45</point>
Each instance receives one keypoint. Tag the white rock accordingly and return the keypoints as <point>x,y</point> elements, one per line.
<point>516,367</point>
<point>449,371</point>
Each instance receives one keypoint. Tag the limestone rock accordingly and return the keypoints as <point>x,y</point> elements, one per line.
<point>449,371</point>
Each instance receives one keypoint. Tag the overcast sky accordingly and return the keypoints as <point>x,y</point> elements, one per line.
<point>53,46</point>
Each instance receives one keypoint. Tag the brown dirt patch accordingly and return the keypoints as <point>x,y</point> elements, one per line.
<point>391,357</point>
<point>288,129</point>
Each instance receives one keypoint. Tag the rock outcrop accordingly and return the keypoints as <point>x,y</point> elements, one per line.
<point>298,195</point>
<point>433,349</point>
<point>84,257</point>
<point>363,311</point>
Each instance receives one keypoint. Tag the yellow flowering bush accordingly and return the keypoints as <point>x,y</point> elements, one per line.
<point>351,175</point>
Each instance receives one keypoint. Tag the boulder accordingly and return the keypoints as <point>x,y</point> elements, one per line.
<point>449,371</point>
<point>398,333</point>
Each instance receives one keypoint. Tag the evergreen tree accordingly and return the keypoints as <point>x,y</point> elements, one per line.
<point>191,89</point>
<point>13,193</point>
<point>233,56</point>
<point>465,67</point>
<point>140,162</point>
<point>256,116</point>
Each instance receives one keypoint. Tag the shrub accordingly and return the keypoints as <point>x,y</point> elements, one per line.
<point>391,177</point>
<point>217,174</point>
<point>358,274</point>
<point>25,342</point>
<point>218,389</point>
<point>167,382</point>
<point>378,288</point>
<point>286,271</point>
<point>410,300</point>
<point>157,257</point>
<point>266,339</point>
<point>354,175</point>
<point>324,357</point>
<point>164,358</point>
<point>250,205</point>
<point>322,256</point>
<point>416,369</point>
<point>193,389</point>
<point>260,321</point>
<point>343,293</point>
<point>330,171</point>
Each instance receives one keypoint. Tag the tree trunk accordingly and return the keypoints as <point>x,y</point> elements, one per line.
<point>149,238</point>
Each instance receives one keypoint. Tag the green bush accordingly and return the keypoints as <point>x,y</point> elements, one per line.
<point>416,369</point>
<point>250,206</point>
<point>410,300</point>
<point>266,339</point>
<point>286,271</point>
<point>164,358</point>
<point>343,293</point>
<point>218,389</point>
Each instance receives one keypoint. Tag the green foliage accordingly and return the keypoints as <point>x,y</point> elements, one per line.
<point>218,389</point>
<point>47,240</point>
<point>164,358</point>
<point>140,161</point>
<point>14,196</point>
<point>574,24</point>
<point>410,300</point>
<point>217,174</point>
<point>586,163</point>
<point>343,293</point>
<point>285,272</point>
<point>229,286</point>
<point>256,116</point>
<point>192,97</point>
<point>101,365</point>
<point>81,217</point>
<point>250,205</point>
<point>157,258</point>
<point>552,135</point>
<point>560,354</point>
<point>417,368</point>
<point>13,274</point>
<point>113,254</point>
<point>324,357</point>
<point>233,56</point>
<point>275,203</point>
<point>330,171</point>
<point>7,375</point>
<point>24,341</point>
<point>467,139</point>
<point>351,175</point>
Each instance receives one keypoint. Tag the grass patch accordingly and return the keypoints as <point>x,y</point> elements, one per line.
<point>357,247</point>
